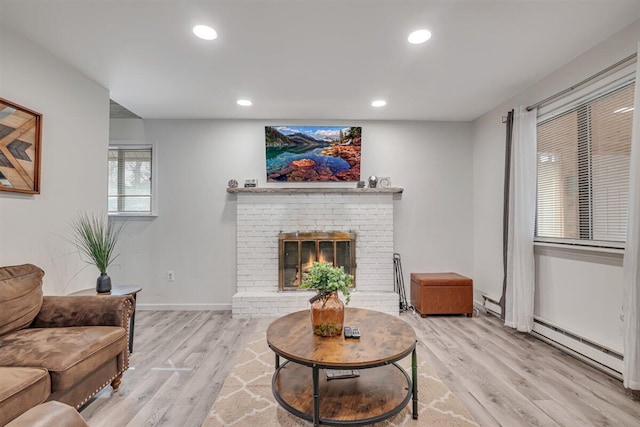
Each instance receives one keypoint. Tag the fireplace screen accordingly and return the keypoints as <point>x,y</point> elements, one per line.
<point>298,251</point>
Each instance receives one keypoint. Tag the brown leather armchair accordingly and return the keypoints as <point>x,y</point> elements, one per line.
<point>64,348</point>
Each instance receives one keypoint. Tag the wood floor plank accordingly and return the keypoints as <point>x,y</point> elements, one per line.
<point>517,351</point>
<point>148,365</point>
<point>503,377</point>
<point>475,408</point>
<point>535,371</point>
<point>563,415</point>
<point>517,380</point>
<point>495,392</point>
<point>204,388</point>
<point>583,375</point>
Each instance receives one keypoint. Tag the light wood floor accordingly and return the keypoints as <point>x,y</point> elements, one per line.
<point>505,378</point>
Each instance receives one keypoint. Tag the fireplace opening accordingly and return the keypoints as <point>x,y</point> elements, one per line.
<point>298,251</point>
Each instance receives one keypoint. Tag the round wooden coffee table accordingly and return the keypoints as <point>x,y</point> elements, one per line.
<point>383,388</point>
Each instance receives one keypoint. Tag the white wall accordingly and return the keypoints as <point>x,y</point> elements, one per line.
<point>34,228</point>
<point>569,288</point>
<point>581,291</point>
<point>194,233</point>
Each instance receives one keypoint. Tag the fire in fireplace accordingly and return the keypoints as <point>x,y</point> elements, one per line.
<point>298,251</point>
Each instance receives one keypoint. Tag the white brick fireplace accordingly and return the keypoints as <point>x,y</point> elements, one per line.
<point>262,213</point>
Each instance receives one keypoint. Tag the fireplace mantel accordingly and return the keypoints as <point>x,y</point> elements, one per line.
<point>300,190</point>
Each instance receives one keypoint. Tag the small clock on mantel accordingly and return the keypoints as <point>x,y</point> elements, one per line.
<point>384,182</point>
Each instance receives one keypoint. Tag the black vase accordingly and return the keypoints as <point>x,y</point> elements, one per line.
<point>103,284</point>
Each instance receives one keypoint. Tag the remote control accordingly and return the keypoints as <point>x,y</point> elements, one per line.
<point>355,332</point>
<point>347,332</point>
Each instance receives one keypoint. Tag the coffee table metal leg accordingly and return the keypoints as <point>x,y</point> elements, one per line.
<point>414,380</point>
<point>277,360</point>
<point>316,396</point>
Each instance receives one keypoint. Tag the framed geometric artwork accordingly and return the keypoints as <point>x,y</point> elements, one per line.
<point>313,153</point>
<point>20,133</point>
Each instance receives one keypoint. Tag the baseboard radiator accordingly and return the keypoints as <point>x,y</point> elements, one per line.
<point>596,355</point>
<point>491,305</point>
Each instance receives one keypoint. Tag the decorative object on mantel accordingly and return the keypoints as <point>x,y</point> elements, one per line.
<point>250,183</point>
<point>361,184</point>
<point>19,148</point>
<point>327,310</point>
<point>384,182</point>
<point>96,237</point>
<point>313,153</point>
<point>373,181</point>
<point>232,183</point>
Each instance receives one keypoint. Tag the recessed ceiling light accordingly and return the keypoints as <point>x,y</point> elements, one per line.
<point>205,32</point>
<point>379,103</point>
<point>244,102</point>
<point>419,36</point>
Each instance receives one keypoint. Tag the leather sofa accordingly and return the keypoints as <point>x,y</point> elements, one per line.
<point>50,414</point>
<point>61,348</point>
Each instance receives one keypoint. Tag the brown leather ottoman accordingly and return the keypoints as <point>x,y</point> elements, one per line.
<point>441,293</point>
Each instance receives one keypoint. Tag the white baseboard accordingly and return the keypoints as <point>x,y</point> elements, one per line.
<point>184,307</point>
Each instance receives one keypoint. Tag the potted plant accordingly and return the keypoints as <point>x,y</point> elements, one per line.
<point>327,310</point>
<point>96,238</point>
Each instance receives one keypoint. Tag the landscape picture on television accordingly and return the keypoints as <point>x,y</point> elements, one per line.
<point>313,153</point>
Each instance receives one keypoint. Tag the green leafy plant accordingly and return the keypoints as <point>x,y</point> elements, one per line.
<point>326,278</point>
<point>96,238</point>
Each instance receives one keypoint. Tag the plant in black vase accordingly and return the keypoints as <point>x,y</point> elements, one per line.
<point>96,237</point>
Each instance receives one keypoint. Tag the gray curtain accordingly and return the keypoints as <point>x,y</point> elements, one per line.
<point>505,208</point>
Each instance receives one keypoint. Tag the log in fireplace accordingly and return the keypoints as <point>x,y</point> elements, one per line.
<point>298,251</point>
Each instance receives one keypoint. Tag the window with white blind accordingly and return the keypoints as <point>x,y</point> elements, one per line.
<point>583,170</point>
<point>130,179</point>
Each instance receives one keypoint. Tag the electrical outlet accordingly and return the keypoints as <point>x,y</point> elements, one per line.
<point>171,276</point>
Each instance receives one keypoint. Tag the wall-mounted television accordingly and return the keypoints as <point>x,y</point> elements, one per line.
<point>313,153</point>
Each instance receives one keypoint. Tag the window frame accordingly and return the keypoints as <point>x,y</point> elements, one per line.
<point>136,145</point>
<point>608,84</point>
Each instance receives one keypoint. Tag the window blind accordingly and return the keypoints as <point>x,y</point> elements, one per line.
<point>583,169</point>
<point>130,180</point>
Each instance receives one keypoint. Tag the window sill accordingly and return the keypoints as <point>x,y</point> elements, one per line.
<point>579,248</point>
<point>132,215</point>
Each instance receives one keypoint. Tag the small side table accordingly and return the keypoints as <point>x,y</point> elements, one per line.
<point>119,290</point>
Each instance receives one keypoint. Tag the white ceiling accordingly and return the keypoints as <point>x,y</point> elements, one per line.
<point>316,59</point>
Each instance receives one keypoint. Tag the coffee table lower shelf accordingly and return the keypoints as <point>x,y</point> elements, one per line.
<point>377,394</point>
